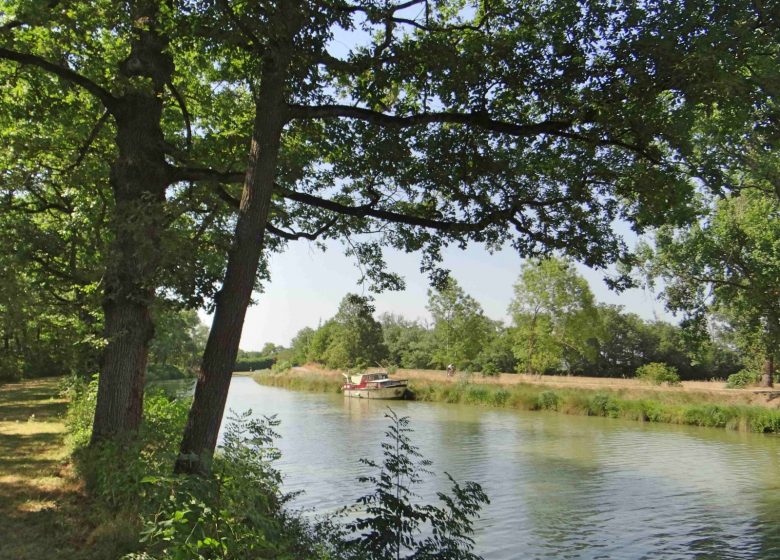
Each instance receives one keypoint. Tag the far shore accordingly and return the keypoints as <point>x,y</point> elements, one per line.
<point>714,391</point>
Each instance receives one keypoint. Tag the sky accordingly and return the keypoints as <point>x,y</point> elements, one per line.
<point>307,285</point>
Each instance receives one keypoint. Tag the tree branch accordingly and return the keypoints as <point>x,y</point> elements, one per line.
<point>108,100</point>
<point>184,113</point>
<point>479,120</point>
<point>82,153</point>
<point>363,211</point>
<point>296,235</point>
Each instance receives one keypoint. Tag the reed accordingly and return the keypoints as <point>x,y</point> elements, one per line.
<point>664,407</point>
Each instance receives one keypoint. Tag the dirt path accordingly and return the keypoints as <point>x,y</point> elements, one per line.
<point>39,500</point>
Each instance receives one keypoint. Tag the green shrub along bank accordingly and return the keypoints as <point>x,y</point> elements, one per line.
<point>695,409</point>
<point>142,511</point>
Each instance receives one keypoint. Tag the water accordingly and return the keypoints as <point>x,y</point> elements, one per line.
<point>560,486</point>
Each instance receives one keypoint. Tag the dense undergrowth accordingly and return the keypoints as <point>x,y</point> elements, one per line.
<point>671,407</point>
<point>144,512</point>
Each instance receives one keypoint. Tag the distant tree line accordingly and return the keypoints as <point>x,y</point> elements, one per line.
<point>556,327</point>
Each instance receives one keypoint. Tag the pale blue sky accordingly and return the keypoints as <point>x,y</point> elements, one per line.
<point>307,285</point>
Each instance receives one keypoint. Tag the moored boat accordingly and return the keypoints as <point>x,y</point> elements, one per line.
<point>373,386</point>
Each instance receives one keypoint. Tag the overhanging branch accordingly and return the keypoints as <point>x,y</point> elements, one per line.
<point>479,120</point>
<point>108,100</point>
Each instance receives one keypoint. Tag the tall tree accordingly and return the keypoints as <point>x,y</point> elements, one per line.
<point>729,265</point>
<point>129,82</point>
<point>460,328</point>
<point>534,124</point>
<point>553,314</point>
<point>356,337</point>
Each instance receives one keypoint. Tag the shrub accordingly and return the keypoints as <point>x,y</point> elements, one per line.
<point>742,378</point>
<point>391,524</point>
<point>82,396</point>
<point>602,404</point>
<point>547,400</point>
<point>237,512</point>
<point>284,365</point>
<point>658,373</point>
<point>489,370</point>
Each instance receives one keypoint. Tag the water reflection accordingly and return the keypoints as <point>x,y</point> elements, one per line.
<point>561,486</point>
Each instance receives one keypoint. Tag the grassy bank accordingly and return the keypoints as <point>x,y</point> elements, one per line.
<point>42,502</point>
<point>646,405</point>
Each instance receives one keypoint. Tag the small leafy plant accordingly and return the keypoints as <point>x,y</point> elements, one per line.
<point>394,525</point>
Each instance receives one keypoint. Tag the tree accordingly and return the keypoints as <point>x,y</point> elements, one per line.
<point>356,337</point>
<point>125,84</point>
<point>498,356</point>
<point>548,141</point>
<point>553,315</point>
<point>409,344</point>
<point>299,347</point>
<point>460,328</point>
<point>728,265</point>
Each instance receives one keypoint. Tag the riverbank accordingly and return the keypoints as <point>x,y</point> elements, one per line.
<point>694,403</point>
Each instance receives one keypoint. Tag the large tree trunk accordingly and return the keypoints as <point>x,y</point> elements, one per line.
<point>139,177</point>
<point>767,378</point>
<point>205,417</point>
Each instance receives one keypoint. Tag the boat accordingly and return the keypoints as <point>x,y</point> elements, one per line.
<point>373,386</point>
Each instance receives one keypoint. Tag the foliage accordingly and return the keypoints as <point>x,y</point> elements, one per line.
<point>548,400</point>
<point>252,364</point>
<point>460,328</point>
<point>281,366</point>
<point>179,340</point>
<point>82,396</point>
<point>742,378</point>
<point>238,512</point>
<point>489,370</point>
<point>409,344</point>
<point>658,373</point>
<point>352,338</point>
<point>727,265</point>
<point>553,314</point>
<point>393,522</point>
<point>603,341</point>
<point>299,347</point>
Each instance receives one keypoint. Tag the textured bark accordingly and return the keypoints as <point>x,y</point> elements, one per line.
<point>205,417</point>
<point>139,177</point>
<point>767,378</point>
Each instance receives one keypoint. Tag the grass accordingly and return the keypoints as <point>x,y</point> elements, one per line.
<point>632,403</point>
<point>41,502</point>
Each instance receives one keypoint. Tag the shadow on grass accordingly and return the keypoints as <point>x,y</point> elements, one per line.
<point>44,513</point>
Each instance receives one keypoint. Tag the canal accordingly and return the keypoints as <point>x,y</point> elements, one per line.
<point>560,486</point>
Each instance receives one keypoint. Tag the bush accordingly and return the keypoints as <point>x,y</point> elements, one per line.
<point>237,512</point>
<point>602,404</point>
<point>82,396</point>
<point>489,370</point>
<point>284,365</point>
<point>742,378</point>
<point>658,373</point>
<point>391,524</point>
<point>547,400</point>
